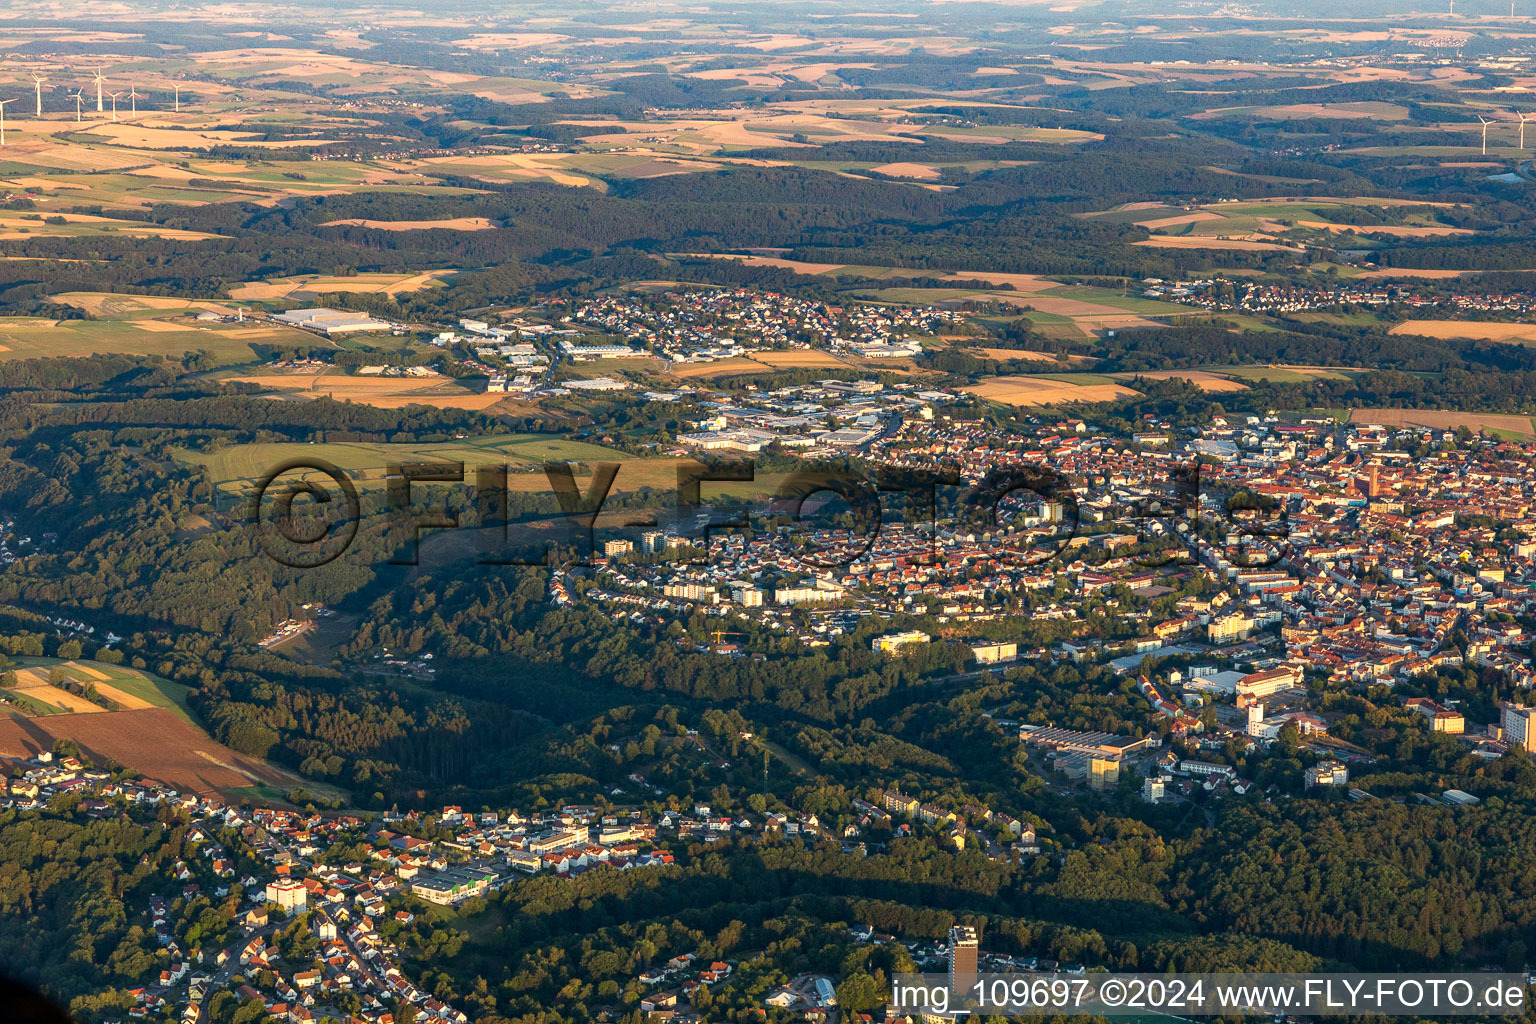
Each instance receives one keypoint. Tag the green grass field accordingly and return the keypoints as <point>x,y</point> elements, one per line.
<point>1343,319</point>
<point>29,338</point>
<point>1277,374</point>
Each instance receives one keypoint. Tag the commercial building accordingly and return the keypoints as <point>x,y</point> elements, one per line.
<point>453,885</point>
<point>1102,743</point>
<point>331,321</point>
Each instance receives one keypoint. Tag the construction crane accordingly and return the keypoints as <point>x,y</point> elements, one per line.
<point>717,634</point>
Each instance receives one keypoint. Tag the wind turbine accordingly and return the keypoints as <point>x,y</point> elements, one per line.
<point>114,96</point>
<point>2,118</point>
<point>79,97</point>
<point>178,97</point>
<point>38,81</point>
<point>133,96</point>
<point>1486,123</point>
<point>97,73</point>
<point>1522,128</point>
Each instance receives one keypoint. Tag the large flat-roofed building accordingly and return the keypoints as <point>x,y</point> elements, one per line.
<point>1102,743</point>
<point>331,321</point>
<point>453,885</point>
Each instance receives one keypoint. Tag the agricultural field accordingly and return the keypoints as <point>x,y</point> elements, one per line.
<point>127,689</point>
<point>235,470</point>
<point>379,391</point>
<point>1284,374</point>
<point>1482,330</point>
<point>157,742</point>
<point>1205,380</point>
<point>165,335</point>
<point>1512,427</point>
<point>238,466</point>
<point>311,286</point>
<point>1275,225</point>
<point>80,225</point>
<point>1054,390</point>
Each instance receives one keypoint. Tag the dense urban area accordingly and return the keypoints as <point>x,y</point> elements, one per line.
<point>642,514</point>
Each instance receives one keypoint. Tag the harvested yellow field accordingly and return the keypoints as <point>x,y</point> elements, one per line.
<point>159,326</point>
<point>380,392</point>
<point>1345,111</point>
<point>69,156</point>
<point>297,287</point>
<point>1006,355</point>
<point>123,133</point>
<point>1428,275</point>
<point>1198,242</point>
<point>510,167</point>
<point>1438,420</point>
<point>113,304</point>
<point>1483,331</point>
<point>771,261</point>
<point>451,224</point>
<point>1153,223</point>
<point>718,368</point>
<point>1063,306</point>
<point>907,170</point>
<point>85,670</point>
<point>798,357</point>
<point>1026,391</point>
<point>13,225</point>
<point>32,683</point>
<point>1018,282</point>
<point>125,701</point>
<point>1202,379</point>
<point>1398,230</point>
<point>509,40</point>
